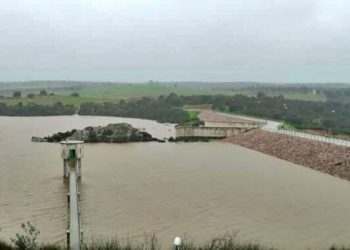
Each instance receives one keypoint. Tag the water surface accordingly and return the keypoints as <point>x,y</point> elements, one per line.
<point>197,190</point>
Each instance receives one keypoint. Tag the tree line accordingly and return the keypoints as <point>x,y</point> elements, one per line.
<point>144,108</point>
<point>331,116</point>
<point>32,109</point>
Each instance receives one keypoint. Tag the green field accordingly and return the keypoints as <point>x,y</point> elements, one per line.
<point>49,100</point>
<point>126,91</point>
<point>291,95</point>
<point>112,94</point>
<point>116,92</point>
<point>306,97</point>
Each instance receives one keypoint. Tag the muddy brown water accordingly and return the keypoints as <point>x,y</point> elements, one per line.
<point>196,190</point>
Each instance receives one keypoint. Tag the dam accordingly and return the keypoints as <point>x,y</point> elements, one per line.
<point>217,126</point>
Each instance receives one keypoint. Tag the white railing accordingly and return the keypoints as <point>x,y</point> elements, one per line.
<point>309,136</point>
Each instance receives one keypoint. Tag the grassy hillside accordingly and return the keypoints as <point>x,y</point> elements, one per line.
<point>108,92</point>
<point>50,100</point>
<point>138,90</point>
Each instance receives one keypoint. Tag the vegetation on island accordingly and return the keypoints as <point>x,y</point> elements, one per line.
<point>112,133</point>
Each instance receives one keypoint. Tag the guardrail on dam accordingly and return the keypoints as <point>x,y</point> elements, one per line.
<point>310,136</point>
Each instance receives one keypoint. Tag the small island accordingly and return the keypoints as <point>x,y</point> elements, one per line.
<point>112,133</point>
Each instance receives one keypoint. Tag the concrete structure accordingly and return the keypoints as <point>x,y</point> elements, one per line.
<point>198,107</point>
<point>74,238</point>
<point>247,125</point>
<point>217,126</point>
<point>212,132</point>
<point>212,119</point>
<point>71,153</point>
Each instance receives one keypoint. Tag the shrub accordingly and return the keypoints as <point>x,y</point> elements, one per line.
<point>5,246</point>
<point>28,239</point>
<point>17,94</point>
<point>43,92</point>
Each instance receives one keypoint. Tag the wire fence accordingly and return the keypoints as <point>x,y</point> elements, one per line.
<point>309,136</point>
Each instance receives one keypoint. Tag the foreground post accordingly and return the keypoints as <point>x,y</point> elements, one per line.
<point>177,243</point>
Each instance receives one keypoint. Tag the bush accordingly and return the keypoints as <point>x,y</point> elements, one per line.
<point>50,247</point>
<point>225,243</point>
<point>150,243</point>
<point>334,247</point>
<point>43,92</point>
<point>5,246</point>
<point>28,239</point>
<point>17,94</point>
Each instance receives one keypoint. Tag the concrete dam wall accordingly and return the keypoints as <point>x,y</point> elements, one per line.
<point>246,125</point>
<point>217,126</point>
<point>210,132</point>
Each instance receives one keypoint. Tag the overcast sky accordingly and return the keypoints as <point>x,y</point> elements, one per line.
<point>139,40</point>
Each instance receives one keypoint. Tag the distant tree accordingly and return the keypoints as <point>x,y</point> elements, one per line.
<point>52,94</point>
<point>75,94</point>
<point>17,94</point>
<point>261,95</point>
<point>30,95</point>
<point>43,92</point>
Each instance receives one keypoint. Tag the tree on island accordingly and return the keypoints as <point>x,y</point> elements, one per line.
<point>17,94</point>
<point>43,92</point>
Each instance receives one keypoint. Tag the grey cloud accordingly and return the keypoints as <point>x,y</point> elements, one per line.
<point>137,40</point>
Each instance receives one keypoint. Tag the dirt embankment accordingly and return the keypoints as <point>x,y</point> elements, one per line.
<point>328,158</point>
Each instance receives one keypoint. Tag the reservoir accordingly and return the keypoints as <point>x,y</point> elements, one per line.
<point>194,190</point>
